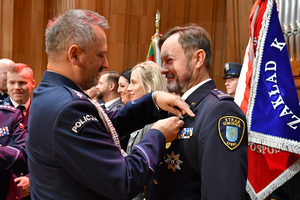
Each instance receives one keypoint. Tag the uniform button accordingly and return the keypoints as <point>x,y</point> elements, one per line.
<point>155,181</point>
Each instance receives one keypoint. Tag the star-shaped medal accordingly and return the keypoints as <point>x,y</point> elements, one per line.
<point>173,161</point>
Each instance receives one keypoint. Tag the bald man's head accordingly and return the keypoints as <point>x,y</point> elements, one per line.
<point>4,65</point>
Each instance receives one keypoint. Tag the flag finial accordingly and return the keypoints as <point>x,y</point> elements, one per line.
<point>157,19</point>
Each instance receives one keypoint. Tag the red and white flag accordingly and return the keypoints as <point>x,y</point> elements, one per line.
<point>267,94</point>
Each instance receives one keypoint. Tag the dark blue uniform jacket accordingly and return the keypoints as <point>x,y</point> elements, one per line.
<point>208,160</point>
<point>12,148</point>
<point>7,101</point>
<point>72,156</point>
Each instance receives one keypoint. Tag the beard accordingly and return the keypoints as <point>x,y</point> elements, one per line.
<point>181,84</point>
<point>99,96</point>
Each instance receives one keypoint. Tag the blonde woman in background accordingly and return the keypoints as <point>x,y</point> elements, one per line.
<point>145,78</point>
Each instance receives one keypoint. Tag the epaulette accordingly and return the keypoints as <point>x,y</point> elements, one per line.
<point>220,94</point>
<point>8,107</point>
<point>77,95</point>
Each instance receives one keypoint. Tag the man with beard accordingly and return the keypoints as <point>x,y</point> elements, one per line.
<point>73,147</point>
<point>108,90</point>
<point>208,159</point>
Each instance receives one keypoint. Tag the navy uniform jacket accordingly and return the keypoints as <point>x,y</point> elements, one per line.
<point>12,147</point>
<point>24,171</point>
<point>209,158</point>
<point>72,156</point>
<point>7,101</point>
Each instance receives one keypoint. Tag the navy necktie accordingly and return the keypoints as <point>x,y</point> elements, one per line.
<point>21,108</point>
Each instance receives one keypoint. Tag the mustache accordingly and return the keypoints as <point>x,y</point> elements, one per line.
<point>170,76</point>
<point>100,69</point>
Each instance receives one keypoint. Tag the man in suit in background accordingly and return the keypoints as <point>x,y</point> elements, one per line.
<point>4,65</point>
<point>108,90</point>
<point>208,159</point>
<point>20,84</point>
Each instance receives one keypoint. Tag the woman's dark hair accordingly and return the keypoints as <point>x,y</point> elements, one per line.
<point>127,74</point>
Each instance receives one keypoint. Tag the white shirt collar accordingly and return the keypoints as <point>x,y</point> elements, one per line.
<point>111,102</point>
<point>16,104</point>
<point>192,89</point>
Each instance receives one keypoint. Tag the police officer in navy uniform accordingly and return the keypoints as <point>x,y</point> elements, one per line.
<point>20,84</point>
<point>73,149</point>
<point>232,73</point>
<point>12,150</point>
<point>208,160</point>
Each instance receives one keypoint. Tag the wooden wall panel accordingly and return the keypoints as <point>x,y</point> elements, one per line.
<point>132,25</point>
<point>6,24</point>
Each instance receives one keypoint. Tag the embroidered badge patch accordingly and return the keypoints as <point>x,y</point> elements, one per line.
<point>186,133</point>
<point>82,121</point>
<point>231,131</point>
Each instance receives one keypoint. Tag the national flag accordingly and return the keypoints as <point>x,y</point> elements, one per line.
<point>267,94</point>
<point>154,52</point>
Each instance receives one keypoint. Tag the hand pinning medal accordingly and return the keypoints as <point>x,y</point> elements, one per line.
<point>173,161</point>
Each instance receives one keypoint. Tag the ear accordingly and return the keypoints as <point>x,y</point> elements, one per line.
<point>199,58</point>
<point>33,83</point>
<point>112,86</point>
<point>74,53</point>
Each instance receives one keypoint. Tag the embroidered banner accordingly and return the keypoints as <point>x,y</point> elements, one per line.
<point>267,94</point>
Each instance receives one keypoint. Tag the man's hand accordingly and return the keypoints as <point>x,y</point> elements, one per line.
<point>169,127</point>
<point>172,103</point>
<point>24,185</point>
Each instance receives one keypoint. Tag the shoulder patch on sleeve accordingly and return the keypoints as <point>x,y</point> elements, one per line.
<point>231,131</point>
<point>81,122</point>
<point>220,94</point>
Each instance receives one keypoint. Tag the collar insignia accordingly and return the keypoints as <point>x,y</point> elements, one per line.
<point>78,94</point>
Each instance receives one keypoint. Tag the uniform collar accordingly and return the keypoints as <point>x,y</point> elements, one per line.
<point>200,92</point>
<point>191,90</point>
<point>58,79</point>
<point>15,104</point>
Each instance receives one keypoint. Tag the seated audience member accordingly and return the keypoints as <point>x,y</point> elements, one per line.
<point>108,90</point>
<point>145,78</point>
<point>124,82</point>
